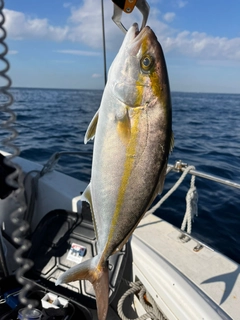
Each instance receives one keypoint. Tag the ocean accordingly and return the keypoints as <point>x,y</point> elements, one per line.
<point>207,135</point>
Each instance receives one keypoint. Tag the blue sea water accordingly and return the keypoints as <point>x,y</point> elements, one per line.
<point>207,135</point>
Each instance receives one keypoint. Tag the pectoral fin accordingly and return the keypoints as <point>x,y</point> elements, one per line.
<point>172,142</point>
<point>91,130</point>
<point>164,170</point>
<point>162,179</point>
<point>123,125</point>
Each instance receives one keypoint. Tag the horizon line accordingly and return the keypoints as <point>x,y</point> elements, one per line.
<point>173,91</point>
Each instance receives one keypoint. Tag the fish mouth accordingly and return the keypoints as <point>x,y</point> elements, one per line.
<point>139,33</point>
<point>135,38</point>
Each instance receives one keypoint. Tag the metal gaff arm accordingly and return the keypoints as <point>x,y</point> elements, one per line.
<point>127,6</point>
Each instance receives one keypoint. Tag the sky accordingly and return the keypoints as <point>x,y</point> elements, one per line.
<point>58,44</point>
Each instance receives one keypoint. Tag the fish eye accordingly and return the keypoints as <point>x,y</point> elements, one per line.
<point>146,63</point>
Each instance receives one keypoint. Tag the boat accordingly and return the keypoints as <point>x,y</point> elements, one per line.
<point>161,273</point>
<point>179,279</point>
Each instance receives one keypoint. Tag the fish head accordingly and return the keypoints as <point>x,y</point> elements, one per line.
<point>138,74</point>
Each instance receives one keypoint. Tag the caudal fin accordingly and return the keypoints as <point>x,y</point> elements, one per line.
<point>97,274</point>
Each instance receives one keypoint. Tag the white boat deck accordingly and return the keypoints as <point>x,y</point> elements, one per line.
<point>216,275</point>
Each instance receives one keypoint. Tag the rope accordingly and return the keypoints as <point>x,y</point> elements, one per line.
<point>174,188</point>
<point>148,303</point>
<point>191,207</point>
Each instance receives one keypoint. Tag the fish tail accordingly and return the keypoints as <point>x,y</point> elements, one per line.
<point>97,273</point>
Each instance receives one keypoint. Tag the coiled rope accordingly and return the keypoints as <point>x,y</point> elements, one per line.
<point>191,206</point>
<point>148,303</point>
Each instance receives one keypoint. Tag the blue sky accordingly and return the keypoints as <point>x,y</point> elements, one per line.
<point>58,44</point>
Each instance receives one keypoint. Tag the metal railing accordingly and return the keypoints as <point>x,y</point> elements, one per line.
<point>180,166</point>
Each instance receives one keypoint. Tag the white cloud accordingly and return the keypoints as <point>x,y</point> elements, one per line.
<point>79,52</point>
<point>67,4</point>
<point>169,16</point>
<point>20,26</point>
<point>85,26</point>
<point>86,23</point>
<point>219,63</point>
<point>182,3</point>
<point>96,75</point>
<point>201,45</point>
<point>12,52</point>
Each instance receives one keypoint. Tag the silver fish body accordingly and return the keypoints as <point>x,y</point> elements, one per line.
<point>133,137</point>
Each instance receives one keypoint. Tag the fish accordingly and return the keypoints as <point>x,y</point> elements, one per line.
<point>132,132</point>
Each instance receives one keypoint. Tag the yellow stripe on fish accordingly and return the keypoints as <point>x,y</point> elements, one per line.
<point>128,132</point>
<point>130,158</point>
